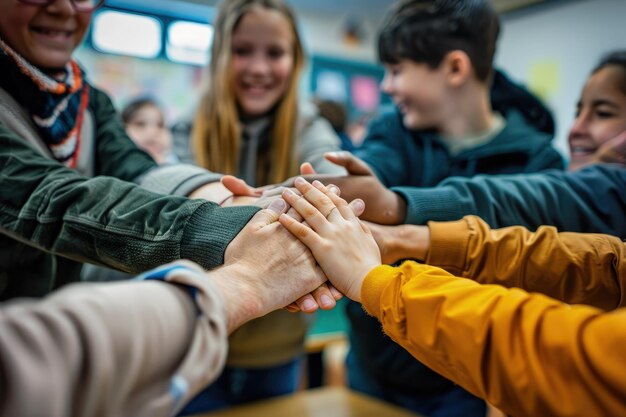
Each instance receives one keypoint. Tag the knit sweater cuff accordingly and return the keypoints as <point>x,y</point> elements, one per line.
<point>425,204</point>
<point>373,286</point>
<point>448,245</point>
<point>210,229</point>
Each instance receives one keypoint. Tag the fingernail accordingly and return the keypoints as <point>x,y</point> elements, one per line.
<point>326,301</point>
<point>299,181</point>
<point>333,189</point>
<point>308,304</point>
<point>359,205</point>
<point>278,205</point>
<point>317,184</point>
<point>288,192</point>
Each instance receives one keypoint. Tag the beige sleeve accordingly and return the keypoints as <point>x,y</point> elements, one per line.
<point>115,349</point>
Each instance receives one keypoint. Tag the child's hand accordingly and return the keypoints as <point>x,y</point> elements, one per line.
<point>342,245</point>
<point>382,205</point>
<point>614,150</point>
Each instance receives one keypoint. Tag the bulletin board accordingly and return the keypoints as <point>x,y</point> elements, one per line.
<point>354,84</point>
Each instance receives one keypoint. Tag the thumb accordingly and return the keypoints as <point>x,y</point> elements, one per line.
<point>238,186</point>
<point>270,214</point>
<point>354,165</point>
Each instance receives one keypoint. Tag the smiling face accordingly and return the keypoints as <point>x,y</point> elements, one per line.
<point>46,36</point>
<point>418,91</point>
<point>147,129</point>
<point>601,114</point>
<point>262,60</point>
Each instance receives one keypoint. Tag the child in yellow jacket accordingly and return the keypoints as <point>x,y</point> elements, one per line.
<point>526,353</point>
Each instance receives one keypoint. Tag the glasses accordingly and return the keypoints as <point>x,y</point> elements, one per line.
<point>79,5</point>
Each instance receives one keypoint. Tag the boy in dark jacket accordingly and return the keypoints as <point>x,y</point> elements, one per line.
<point>438,57</point>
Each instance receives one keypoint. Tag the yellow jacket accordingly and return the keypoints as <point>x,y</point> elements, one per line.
<point>527,354</point>
<point>571,267</point>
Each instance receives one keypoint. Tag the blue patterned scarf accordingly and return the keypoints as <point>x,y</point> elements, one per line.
<point>56,103</point>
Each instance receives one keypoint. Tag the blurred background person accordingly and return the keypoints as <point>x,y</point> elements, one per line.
<point>145,124</point>
<point>251,123</point>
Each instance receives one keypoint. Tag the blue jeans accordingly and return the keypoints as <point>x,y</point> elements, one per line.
<point>241,385</point>
<point>455,402</point>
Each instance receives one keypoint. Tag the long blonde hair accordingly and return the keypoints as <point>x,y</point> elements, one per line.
<point>216,135</point>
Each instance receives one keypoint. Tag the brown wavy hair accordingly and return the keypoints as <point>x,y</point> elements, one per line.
<point>216,136</point>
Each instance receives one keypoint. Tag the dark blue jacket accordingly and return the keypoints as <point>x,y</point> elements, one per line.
<point>401,157</point>
<point>591,200</point>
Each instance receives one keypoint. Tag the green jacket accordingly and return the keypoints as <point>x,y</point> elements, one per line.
<point>53,218</point>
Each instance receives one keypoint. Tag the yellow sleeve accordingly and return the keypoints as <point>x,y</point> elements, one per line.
<point>525,353</point>
<point>571,267</point>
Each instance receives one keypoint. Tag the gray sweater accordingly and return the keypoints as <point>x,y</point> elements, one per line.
<point>314,137</point>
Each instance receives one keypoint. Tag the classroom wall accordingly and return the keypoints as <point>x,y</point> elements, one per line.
<point>551,48</point>
<point>176,86</point>
<point>324,34</point>
<point>554,47</point>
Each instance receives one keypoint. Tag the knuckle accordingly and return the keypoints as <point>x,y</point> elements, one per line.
<point>308,211</point>
<point>302,232</point>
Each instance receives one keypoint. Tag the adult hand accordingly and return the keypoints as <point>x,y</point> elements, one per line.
<point>401,242</point>
<point>342,245</point>
<point>269,267</point>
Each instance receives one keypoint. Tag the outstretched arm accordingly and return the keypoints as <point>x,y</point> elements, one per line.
<point>145,348</point>
<point>123,349</point>
<point>590,200</point>
<point>525,353</point>
<point>571,267</point>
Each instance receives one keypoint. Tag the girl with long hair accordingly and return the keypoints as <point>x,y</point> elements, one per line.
<point>250,123</point>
